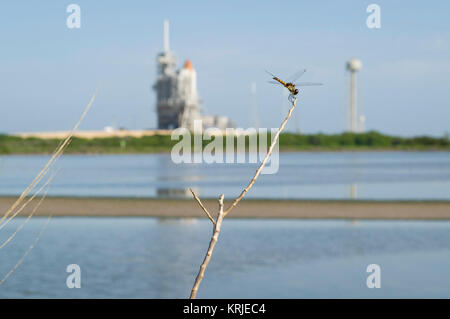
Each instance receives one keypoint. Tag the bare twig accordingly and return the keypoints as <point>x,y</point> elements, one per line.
<point>221,215</point>
<point>202,206</point>
<point>212,244</point>
<point>263,163</point>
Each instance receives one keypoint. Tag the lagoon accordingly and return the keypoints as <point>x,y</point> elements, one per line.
<point>159,258</point>
<point>301,175</point>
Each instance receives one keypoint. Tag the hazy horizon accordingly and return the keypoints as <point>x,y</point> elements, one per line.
<point>49,71</point>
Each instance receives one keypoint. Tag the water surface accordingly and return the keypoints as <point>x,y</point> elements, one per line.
<point>306,175</point>
<point>159,258</point>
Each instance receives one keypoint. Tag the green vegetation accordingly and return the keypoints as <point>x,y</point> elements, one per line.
<point>288,142</point>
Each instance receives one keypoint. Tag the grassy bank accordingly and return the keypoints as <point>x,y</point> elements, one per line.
<point>288,142</point>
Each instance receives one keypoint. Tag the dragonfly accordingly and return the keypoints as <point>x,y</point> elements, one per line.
<point>290,83</point>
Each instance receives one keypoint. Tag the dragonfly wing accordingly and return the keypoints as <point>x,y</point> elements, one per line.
<point>295,76</point>
<point>307,84</point>
<point>271,74</point>
<point>274,82</point>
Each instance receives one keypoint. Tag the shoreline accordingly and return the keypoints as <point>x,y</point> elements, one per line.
<point>249,208</point>
<point>287,150</point>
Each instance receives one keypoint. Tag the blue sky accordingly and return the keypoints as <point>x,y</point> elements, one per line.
<point>48,72</point>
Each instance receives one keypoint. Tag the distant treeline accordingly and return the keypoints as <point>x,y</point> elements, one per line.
<point>163,143</point>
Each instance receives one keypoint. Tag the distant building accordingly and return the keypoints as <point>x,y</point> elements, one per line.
<point>177,98</point>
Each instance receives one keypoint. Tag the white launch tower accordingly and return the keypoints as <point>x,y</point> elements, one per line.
<point>177,101</point>
<point>176,90</point>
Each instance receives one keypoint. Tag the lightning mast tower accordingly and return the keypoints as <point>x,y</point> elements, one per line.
<point>166,60</point>
<point>353,66</point>
<point>166,36</point>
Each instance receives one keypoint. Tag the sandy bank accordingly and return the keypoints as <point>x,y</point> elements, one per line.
<point>63,206</point>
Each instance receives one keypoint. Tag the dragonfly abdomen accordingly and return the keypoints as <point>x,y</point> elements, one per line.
<point>282,82</point>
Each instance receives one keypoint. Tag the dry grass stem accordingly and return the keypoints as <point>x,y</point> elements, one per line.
<point>29,200</point>
<point>53,158</point>
<point>56,154</point>
<point>27,251</point>
<point>26,220</point>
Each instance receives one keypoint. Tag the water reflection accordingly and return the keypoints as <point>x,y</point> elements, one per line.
<point>173,193</point>
<point>188,175</point>
<point>357,163</point>
<point>383,175</point>
<point>354,191</point>
<point>176,221</point>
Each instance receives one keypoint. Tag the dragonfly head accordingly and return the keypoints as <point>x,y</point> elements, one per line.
<point>295,91</point>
